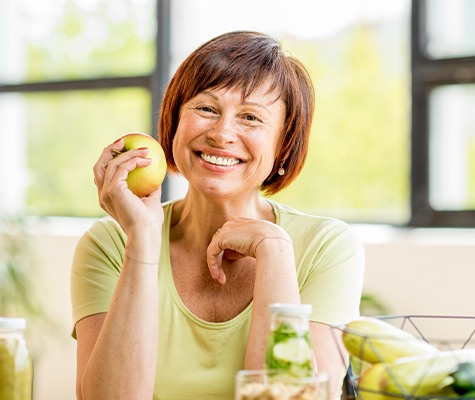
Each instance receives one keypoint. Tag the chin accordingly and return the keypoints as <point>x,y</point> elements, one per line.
<point>215,192</point>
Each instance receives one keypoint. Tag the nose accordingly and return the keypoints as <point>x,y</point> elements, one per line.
<point>223,131</point>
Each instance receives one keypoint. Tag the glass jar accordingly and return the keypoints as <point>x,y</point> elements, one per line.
<point>289,348</point>
<point>273,385</point>
<point>16,372</point>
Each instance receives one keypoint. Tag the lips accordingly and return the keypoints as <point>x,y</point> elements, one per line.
<point>220,160</point>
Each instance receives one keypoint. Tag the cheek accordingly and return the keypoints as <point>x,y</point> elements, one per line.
<point>182,131</point>
<point>177,148</point>
<point>187,130</point>
<point>271,144</point>
<point>266,152</point>
<point>185,134</point>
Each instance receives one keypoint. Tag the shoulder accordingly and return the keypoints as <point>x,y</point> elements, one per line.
<point>296,221</point>
<point>317,234</point>
<point>102,244</point>
<point>105,229</point>
<point>106,232</point>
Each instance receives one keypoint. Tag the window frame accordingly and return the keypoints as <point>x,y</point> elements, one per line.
<point>155,82</point>
<point>426,74</point>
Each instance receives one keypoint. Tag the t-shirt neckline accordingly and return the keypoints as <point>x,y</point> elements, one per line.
<point>168,276</point>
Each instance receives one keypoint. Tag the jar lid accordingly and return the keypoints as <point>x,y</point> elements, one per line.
<point>291,309</point>
<point>15,323</point>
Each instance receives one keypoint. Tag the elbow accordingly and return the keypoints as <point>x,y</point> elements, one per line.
<point>78,391</point>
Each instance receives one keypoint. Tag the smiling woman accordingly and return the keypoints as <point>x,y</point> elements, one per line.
<point>207,69</point>
<point>52,133</point>
<point>235,115</point>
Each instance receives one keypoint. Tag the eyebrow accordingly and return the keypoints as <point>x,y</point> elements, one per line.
<point>252,103</point>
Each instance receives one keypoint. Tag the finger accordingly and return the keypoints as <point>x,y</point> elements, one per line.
<point>114,184</point>
<point>214,258</point>
<point>155,195</point>
<point>154,198</point>
<point>108,153</point>
<point>118,168</point>
<point>117,147</point>
<point>214,266</point>
<point>232,255</point>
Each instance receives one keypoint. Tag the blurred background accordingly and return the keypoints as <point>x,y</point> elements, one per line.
<point>392,148</point>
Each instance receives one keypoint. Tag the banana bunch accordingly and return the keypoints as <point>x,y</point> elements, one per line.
<point>403,366</point>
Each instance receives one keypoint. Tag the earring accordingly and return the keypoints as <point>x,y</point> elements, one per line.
<point>281,170</point>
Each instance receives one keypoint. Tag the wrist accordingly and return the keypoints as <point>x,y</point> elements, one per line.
<point>147,261</point>
<point>144,247</point>
<point>271,242</point>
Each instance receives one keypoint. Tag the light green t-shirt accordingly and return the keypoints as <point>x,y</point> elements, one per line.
<point>198,359</point>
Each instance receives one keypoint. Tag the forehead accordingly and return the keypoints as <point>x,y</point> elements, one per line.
<point>265,93</point>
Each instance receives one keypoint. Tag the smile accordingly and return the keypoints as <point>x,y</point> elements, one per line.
<point>227,162</point>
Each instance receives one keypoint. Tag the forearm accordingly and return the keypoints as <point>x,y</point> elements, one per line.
<point>331,358</point>
<point>276,281</point>
<point>123,362</point>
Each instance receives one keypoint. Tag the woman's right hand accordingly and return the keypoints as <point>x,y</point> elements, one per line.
<point>110,175</point>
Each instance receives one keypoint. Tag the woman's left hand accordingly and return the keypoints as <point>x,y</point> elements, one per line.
<point>240,237</point>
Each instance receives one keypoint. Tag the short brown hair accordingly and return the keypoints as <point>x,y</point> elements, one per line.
<point>246,60</point>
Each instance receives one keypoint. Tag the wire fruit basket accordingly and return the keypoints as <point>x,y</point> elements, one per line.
<point>409,357</point>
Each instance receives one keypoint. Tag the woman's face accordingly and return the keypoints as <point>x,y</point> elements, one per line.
<point>226,145</point>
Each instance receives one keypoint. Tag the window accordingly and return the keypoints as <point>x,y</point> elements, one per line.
<point>74,76</point>
<point>443,117</point>
<point>79,73</point>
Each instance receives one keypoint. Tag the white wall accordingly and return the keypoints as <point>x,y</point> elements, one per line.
<point>423,271</point>
<point>411,271</point>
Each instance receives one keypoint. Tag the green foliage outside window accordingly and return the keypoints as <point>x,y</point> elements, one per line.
<point>358,163</point>
<point>357,167</point>
<point>102,39</point>
<point>67,132</point>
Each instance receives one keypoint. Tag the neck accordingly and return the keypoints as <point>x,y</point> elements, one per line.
<point>196,218</point>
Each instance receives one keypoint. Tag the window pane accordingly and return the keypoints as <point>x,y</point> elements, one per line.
<point>71,39</point>
<point>452,148</point>
<point>450,28</point>
<point>357,54</point>
<point>64,134</point>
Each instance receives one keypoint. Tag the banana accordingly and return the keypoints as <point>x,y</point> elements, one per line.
<point>369,383</point>
<point>374,340</point>
<point>421,375</point>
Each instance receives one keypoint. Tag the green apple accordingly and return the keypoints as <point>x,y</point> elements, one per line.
<point>145,180</point>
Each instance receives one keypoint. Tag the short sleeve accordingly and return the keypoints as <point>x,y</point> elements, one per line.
<point>334,280</point>
<point>95,269</point>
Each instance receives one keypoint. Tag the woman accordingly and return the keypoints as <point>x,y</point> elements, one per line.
<point>234,121</point>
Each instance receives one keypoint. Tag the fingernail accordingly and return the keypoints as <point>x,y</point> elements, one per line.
<point>118,140</point>
<point>142,148</point>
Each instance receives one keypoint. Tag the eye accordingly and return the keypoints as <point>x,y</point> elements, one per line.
<point>205,109</point>
<point>250,118</point>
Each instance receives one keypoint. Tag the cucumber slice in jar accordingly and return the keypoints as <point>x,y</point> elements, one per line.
<point>294,350</point>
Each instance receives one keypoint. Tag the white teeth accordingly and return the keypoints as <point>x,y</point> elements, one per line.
<point>220,160</point>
